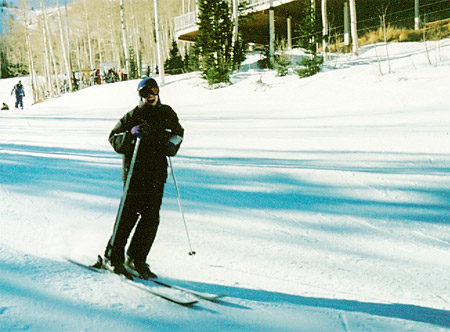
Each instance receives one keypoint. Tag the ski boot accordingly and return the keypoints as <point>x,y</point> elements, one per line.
<point>139,270</point>
<point>115,267</point>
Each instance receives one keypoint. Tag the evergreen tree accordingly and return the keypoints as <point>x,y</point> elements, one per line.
<point>186,61</point>
<point>134,73</point>
<point>309,31</point>
<point>282,59</point>
<point>3,61</point>
<point>174,63</point>
<point>214,41</point>
<point>241,46</point>
<point>191,60</point>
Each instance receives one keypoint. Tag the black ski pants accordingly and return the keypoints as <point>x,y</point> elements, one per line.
<point>140,211</point>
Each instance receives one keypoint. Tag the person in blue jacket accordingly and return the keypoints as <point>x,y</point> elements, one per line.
<point>20,93</point>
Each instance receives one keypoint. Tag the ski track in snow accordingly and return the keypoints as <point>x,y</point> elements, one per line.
<point>310,213</point>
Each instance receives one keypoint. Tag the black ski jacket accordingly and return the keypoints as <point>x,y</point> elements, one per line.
<point>150,168</point>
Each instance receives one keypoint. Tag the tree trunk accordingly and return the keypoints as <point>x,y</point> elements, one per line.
<point>55,73</point>
<point>88,32</point>
<point>158,44</point>
<point>124,38</point>
<point>31,69</point>
<point>69,55</point>
<point>114,44</point>
<point>100,47</point>
<point>150,42</point>
<point>137,38</point>
<point>1,58</point>
<point>63,48</point>
<point>48,76</point>
<point>46,54</point>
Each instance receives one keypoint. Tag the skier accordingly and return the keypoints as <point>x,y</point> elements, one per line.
<point>5,107</point>
<point>161,134</point>
<point>20,93</point>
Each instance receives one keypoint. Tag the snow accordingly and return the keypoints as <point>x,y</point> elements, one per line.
<point>317,204</point>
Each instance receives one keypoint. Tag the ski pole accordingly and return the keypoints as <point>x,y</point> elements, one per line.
<point>191,252</point>
<point>125,191</point>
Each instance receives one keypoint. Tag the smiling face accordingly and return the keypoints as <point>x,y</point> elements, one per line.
<point>151,99</point>
<point>149,95</point>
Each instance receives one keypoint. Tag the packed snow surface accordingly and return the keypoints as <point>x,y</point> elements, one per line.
<point>316,204</point>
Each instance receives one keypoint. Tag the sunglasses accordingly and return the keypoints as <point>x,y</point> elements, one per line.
<point>147,91</point>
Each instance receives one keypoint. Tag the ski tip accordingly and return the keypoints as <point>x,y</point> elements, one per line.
<point>189,304</point>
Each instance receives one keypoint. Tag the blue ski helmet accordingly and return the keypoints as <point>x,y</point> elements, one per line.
<point>147,86</point>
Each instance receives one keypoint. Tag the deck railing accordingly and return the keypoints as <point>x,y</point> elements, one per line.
<point>188,21</point>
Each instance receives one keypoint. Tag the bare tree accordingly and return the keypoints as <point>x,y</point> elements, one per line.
<point>71,42</point>
<point>137,38</point>
<point>45,41</point>
<point>63,48</point>
<point>383,25</point>
<point>158,43</point>
<point>115,50</point>
<point>32,71</point>
<point>124,38</point>
<point>88,33</point>
<point>54,74</point>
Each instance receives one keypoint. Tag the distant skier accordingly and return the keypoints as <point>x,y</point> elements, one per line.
<point>161,135</point>
<point>5,107</point>
<point>20,93</point>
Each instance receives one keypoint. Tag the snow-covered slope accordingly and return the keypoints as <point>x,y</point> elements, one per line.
<point>316,204</point>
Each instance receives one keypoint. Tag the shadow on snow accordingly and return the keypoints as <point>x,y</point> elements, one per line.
<point>267,184</point>
<point>34,290</point>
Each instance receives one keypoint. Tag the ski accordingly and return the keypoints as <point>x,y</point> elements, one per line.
<point>200,295</point>
<point>169,297</point>
<point>157,281</point>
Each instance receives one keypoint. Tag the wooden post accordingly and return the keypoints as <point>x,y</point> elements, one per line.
<point>416,15</point>
<point>325,28</point>
<point>289,33</point>
<point>353,26</point>
<point>271,34</point>
<point>346,25</point>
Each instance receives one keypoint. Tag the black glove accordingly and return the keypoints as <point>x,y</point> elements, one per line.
<point>170,149</point>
